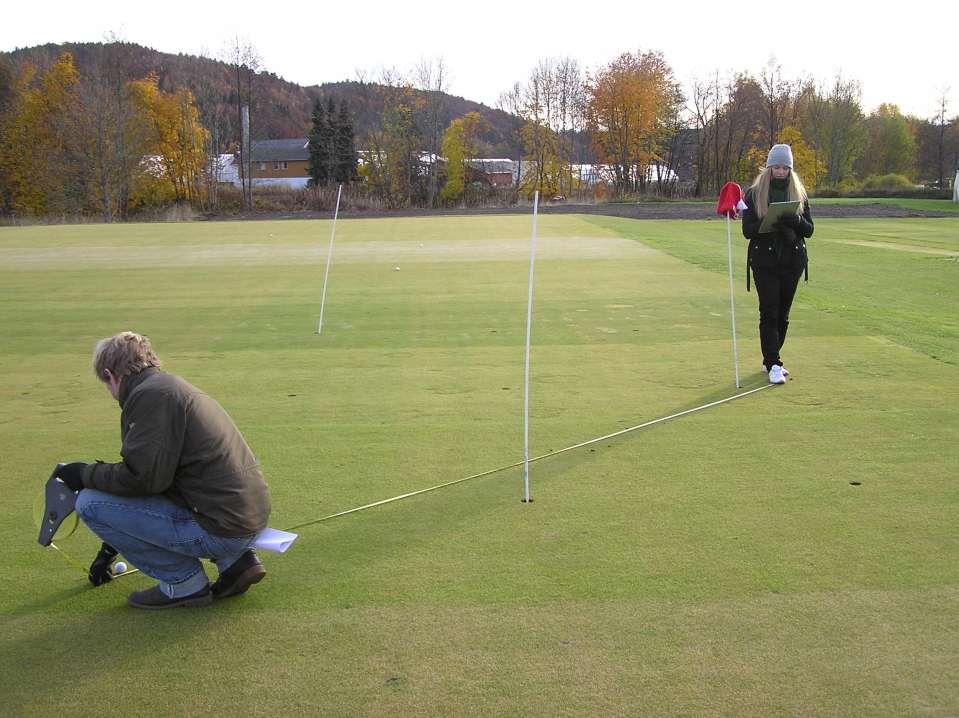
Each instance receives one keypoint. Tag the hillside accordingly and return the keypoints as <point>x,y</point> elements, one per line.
<point>281,109</point>
<point>366,101</point>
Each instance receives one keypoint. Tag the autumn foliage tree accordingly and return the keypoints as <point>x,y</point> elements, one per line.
<point>631,108</point>
<point>804,156</point>
<point>393,165</point>
<point>176,137</point>
<point>937,148</point>
<point>833,124</point>
<point>550,104</point>
<point>459,147</point>
<point>731,126</point>
<point>7,97</point>
<point>88,134</point>
<point>72,145</point>
<point>889,146</point>
<point>737,120</point>
<point>43,142</point>
<point>116,137</point>
<point>402,151</point>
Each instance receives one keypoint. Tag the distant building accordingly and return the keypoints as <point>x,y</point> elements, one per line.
<point>492,172</point>
<point>279,162</point>
<point>495,172</point>
<point>590,175</point>
<point>286,163</point>
<point>226,170</point>
<point>424,164</point>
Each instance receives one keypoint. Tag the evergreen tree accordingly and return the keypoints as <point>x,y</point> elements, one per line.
<point>329,137</point>
<point>344,156</point>
<point>320,148</point>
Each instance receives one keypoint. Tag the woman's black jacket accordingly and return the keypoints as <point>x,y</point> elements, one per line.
<point>783,248</point>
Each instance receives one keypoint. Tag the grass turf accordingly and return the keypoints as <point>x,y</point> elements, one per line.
<point>721,563</point>
<point>930,205</point>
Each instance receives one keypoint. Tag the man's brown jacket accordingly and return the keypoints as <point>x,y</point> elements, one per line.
<point>180,443</point>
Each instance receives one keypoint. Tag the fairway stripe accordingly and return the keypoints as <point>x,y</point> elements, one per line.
<point>536,458</point>
<point>515,464</point>
<point>654,421</point>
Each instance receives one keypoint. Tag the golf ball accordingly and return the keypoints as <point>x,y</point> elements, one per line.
<point>119,567</point>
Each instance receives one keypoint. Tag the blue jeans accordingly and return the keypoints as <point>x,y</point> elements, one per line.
<point>161,539</point>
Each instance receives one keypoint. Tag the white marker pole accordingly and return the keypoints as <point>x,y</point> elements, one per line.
<point>732,301</point>
<point>329,258</point>
<point>529,324</point>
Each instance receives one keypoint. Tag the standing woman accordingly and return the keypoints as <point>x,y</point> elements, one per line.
<point>777,257</point>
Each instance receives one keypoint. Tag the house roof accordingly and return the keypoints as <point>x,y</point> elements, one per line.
<point>269,150</point>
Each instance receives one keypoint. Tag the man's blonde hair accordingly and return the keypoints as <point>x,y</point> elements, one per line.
<point>123,354</point>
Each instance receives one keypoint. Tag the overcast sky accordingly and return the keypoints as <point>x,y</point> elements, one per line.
<point>906,55</point>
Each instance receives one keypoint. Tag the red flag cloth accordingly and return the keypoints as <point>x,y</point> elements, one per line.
<point>730,200</point>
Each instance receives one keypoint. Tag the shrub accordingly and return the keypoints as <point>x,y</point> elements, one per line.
<point>887,183</point>
<point>849,187</point>
<point>846,188</point>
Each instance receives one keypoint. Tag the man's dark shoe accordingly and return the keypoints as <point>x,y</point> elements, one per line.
<point>153,599</point>
<point>240,576</point>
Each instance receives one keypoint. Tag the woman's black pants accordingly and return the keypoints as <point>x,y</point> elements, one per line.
<point>776,287</point>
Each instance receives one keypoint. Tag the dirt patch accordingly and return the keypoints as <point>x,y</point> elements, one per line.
<point>695,210</point>
<point>631,210</point>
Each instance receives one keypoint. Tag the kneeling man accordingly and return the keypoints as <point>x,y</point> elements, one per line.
<point>188,486</point>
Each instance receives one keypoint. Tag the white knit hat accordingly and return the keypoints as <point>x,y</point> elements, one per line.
<point>780,155</point>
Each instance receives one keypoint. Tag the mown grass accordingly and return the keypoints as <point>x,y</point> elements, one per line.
<point>928,205</point>
<point>721,563</point>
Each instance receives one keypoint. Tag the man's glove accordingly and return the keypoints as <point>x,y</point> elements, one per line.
<point>100,571</point>
<point>72,475</point>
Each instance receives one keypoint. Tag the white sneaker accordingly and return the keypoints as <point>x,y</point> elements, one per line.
<point>776,375</point>
<point>785,370</point>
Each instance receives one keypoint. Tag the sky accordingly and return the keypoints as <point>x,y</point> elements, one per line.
<point>906,56</point>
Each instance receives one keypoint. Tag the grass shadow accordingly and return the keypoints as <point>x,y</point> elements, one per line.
<point>87,645</point>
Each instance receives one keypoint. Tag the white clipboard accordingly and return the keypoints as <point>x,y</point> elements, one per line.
<point>775,212</point>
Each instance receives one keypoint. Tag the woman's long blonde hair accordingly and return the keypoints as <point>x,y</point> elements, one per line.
<point>760,189</point>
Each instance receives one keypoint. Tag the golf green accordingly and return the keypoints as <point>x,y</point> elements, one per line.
<point>790,552</point>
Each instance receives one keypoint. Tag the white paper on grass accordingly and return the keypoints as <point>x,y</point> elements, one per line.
<point>777,210</point>
<point>274,540</point>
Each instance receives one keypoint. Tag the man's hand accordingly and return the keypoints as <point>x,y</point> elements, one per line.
<point>100,571</point>
<point>72,475</point>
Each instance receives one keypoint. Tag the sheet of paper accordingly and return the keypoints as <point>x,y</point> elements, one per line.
<point>777,210</point>
<point>274,540</point>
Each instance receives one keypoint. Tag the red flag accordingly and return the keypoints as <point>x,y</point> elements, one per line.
<point>730,201</point>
